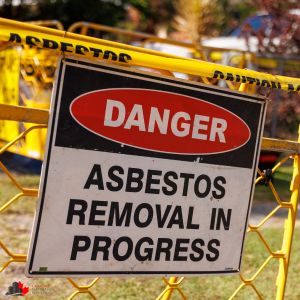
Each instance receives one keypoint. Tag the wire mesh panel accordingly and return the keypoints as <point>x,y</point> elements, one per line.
<point>265,262</point>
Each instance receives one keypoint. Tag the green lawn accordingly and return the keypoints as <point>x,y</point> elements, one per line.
<point>15,226</point>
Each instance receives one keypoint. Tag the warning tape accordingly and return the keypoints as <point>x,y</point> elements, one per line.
<point>84,46</point>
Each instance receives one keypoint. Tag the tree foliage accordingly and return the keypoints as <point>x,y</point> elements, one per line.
<point>66,11</point>
<point>198,18</point>
<point>280,33</point>
<point>107,12</point>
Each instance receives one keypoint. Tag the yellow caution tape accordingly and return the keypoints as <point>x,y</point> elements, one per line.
<point>92,48</point>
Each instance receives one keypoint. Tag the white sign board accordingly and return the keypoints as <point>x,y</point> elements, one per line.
<point>144,175</point>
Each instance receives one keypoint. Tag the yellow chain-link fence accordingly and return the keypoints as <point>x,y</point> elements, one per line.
<point>173,286</point>
<point>17,204</point>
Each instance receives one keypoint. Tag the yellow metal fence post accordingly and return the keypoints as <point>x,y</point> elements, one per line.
<point>289,228</point>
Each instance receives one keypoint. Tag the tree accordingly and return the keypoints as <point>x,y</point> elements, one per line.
<point>280,33</point>
<point>108,12</point>
<point>279,38</point>
<point>197,18</point>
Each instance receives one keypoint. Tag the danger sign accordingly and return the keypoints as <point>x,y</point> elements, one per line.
<point>144,175</point>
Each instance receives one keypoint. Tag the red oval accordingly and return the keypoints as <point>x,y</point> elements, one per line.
<point>203,128</point>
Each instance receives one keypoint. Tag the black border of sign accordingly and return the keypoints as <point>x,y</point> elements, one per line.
<point>54,120</point>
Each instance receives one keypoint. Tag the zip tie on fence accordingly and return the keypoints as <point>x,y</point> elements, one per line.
<point>267,176</point>
<point>18,33</point>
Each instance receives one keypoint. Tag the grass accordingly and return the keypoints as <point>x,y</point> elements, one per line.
<point>8,189</point>
<point>15,226</point>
